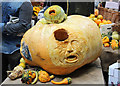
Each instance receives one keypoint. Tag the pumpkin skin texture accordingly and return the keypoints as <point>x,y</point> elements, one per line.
<point>62,48</point>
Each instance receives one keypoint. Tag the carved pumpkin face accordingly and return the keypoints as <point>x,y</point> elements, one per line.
<point>62,48</point>
<point>67,48</point>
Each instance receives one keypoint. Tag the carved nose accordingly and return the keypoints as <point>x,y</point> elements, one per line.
<point>69,51</point>
<point>69,48</point>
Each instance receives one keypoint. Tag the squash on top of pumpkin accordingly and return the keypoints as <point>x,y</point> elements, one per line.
<point>61,48</point>
<point>54,14</point>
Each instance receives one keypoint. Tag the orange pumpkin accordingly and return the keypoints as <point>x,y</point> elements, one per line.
<point>62,48</point>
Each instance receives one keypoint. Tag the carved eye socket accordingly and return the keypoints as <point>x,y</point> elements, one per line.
<point>61,34</point>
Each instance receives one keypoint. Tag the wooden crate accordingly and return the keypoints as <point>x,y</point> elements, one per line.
<point>101,10</point>
<point>109,14</point>
<point>116,27</point>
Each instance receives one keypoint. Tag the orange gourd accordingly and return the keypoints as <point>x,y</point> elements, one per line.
<point>65,81</point>
<point>114,44</point>
<point>44,76</point>
<point>109,22</point>
<point>62,48</point>
<point>36,10</point>
<point>96,12</point>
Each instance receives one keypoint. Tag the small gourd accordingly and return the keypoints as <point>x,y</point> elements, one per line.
<point>44,76</point>
<point>65,81</point>
<point>114,44</point>
<point>106,45</point>
<point>115,35</point>
<point>54,14</point>
<point>105,40</point>
<point>30,77</point>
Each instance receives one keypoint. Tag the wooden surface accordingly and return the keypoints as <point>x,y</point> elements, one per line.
<point>88,74</point>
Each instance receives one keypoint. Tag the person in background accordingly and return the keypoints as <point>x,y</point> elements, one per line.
<point>37,7</point>
<point>16,20</point>
<point>45,5</point>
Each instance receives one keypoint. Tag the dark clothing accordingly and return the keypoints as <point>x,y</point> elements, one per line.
<point>24,14</point>
<point>10,32</point>
<point>9,61</point>
<point>16,20</point>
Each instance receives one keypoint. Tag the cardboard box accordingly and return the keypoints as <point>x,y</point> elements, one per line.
<point>114,74</point>
<point>112,5</point>
<point>106,29</point>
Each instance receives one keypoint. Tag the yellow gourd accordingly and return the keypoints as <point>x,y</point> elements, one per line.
<point>65,81</point>
<point>106,45</point>
<point>105,40</point>
<point>22,65</point>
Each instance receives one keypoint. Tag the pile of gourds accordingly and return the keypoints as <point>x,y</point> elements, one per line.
<point>113,41</point>
<point>31,77</point>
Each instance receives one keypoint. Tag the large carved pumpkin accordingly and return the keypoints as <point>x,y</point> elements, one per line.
<point>62,48</point>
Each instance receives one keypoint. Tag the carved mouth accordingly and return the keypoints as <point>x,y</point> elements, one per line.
<point>71,59</point>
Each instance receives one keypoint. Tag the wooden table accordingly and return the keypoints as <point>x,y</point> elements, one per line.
<point>88,74</point>
<point>108,57</point>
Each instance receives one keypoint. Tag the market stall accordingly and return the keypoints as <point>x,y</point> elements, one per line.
<point>110,31</point>
<point>68,49</point>
<point>60,44</point>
